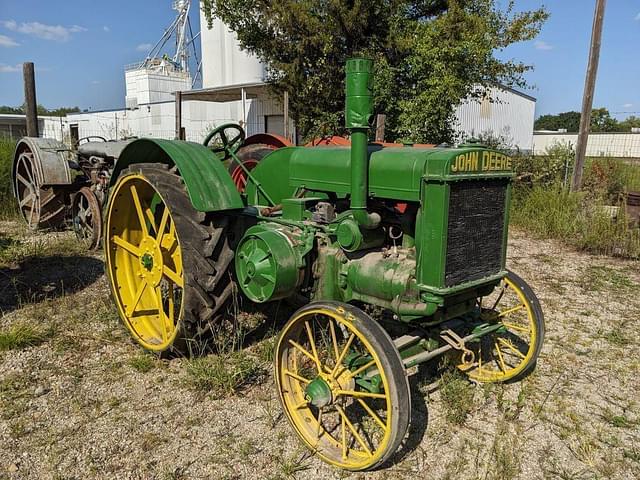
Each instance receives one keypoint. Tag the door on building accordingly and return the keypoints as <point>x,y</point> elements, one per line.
<point>73,132</point>
<point>274,124</point>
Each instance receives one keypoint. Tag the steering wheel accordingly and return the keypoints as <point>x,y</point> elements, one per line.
<point>89,138</point>
<point>228,139</point>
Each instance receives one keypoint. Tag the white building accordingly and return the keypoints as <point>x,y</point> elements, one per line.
<point>234,91</point>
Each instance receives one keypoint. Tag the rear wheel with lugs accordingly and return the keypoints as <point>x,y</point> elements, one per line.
<point>168,264</point>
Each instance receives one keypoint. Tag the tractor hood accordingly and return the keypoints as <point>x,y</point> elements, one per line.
<point>394,172</point>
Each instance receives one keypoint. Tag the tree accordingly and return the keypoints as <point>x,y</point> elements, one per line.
<point>429,55</point>
<point>565,120</point>
<point>42,110</point>
<point>602,121</point>
<point>629,123</point>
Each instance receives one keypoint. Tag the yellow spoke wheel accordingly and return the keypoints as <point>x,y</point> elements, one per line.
<point>510,353</point>
<point>342,385</point>
<point>161,258</point>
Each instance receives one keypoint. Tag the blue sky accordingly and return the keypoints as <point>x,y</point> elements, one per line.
<point>81,46</point>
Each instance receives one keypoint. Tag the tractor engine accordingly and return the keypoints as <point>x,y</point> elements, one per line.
<point>419,231</point>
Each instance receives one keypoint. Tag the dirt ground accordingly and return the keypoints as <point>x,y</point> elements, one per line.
<point>86,402</point>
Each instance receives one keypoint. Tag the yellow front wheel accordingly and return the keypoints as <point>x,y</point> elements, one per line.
<point>342,385</point>
<point>510,353</point>
<point>168,265</point>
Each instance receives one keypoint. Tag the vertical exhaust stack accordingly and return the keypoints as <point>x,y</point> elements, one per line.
<point>358,117</point>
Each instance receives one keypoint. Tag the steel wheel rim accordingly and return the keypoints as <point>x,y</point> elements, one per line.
<point>330,432</point>
<point>27,190</point>
<point>239,176</point>
<point>86,219</point>
<point>144,262</point>
<point>504,354</point>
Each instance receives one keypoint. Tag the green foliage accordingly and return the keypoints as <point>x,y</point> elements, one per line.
<point>7,202</point>
<point>429,55</point>
<point>567,120</point>
<point>601,121</point>
<point>545,170</point>
<point>42,110</point>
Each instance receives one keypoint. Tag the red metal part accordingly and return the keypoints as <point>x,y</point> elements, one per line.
<point>271,139</point>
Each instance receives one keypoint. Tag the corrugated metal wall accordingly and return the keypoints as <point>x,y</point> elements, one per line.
<point>501,113</point>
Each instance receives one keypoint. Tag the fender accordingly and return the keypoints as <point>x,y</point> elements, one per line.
<point>50,160</point>
<point>208,183</point>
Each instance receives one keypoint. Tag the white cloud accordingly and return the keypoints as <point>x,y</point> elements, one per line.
<point>638,17</point>
<point>628,105</point>
<point>95,82</point>
<point>144,47</point>
<point>10,68</point>
<point>542,45</point>
<point>106,29</point>
<point>7,42</point>
<point>57,33</point>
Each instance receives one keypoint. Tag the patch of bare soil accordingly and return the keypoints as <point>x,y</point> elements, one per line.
<point>86,402</point>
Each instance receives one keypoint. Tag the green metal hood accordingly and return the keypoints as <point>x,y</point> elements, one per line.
<point>394,172</point>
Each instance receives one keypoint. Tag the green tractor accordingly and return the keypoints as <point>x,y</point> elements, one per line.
<point>416,234</point>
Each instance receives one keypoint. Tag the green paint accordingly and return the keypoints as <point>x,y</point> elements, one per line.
<point>147,261</point>
<point>207,181</point>
<point>318,393</point>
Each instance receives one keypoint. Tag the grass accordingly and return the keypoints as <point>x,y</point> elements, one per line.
<point>22,335</point>
<point>457,397</point>
<point>143,362</point>
<point>222,375</point>
<point>7,203</point>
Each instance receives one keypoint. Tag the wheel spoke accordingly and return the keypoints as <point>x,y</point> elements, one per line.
<point>344,352</point>
<point>33,207</point>
<point>163,225</point>
<point>139,292</point>
<point>320,430</point>
<point>24,181</point>
<point>30,197</point>
<point>296,376</point>
<point>511,347</point>
<point>334,339</point>
<point>138,206</point>
<point>132,249</point>
<point>501,363</point>
<point>149,214</point>
<point>173,276</point>
<point>313,346</point>
<point>354,432</point>
<point>509,311</point>
<point>362,368</point>
<point>373,414</point>
<point>344,437</point>
<point>519,328</point>
<point>354,394</point>
<point>305,352</point>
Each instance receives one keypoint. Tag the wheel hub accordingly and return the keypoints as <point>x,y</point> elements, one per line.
<point>151,261</point>
<point>318,393</point>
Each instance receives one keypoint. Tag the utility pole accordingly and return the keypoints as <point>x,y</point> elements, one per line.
<point>587,99</point>
<point>31,106</point>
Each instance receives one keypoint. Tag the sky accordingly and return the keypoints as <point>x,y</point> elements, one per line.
<point>80,48</point>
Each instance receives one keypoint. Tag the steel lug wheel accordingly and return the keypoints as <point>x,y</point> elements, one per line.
<point>86,216</point>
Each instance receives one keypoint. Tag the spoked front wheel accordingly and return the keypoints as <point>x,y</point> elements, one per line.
<point>342,385</point>
<point>510,352</point>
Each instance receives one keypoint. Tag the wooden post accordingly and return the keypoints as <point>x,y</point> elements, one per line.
<point>587,99</point>
<point>380,120</point>
<point>179,130</point>
<point>31,106</point>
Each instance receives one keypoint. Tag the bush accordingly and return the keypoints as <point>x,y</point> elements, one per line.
<point>545,170</point>
<point>577,218</point>
<point>7,202</point>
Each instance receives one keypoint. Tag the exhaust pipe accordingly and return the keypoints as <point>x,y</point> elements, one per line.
<point>358,119</point>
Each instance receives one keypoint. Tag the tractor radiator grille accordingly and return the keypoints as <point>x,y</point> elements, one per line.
<point>476,227</point>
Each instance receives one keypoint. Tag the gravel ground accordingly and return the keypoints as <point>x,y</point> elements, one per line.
<point>86,402</point>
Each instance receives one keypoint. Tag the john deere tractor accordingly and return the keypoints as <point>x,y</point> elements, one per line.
<point>373,240</point>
